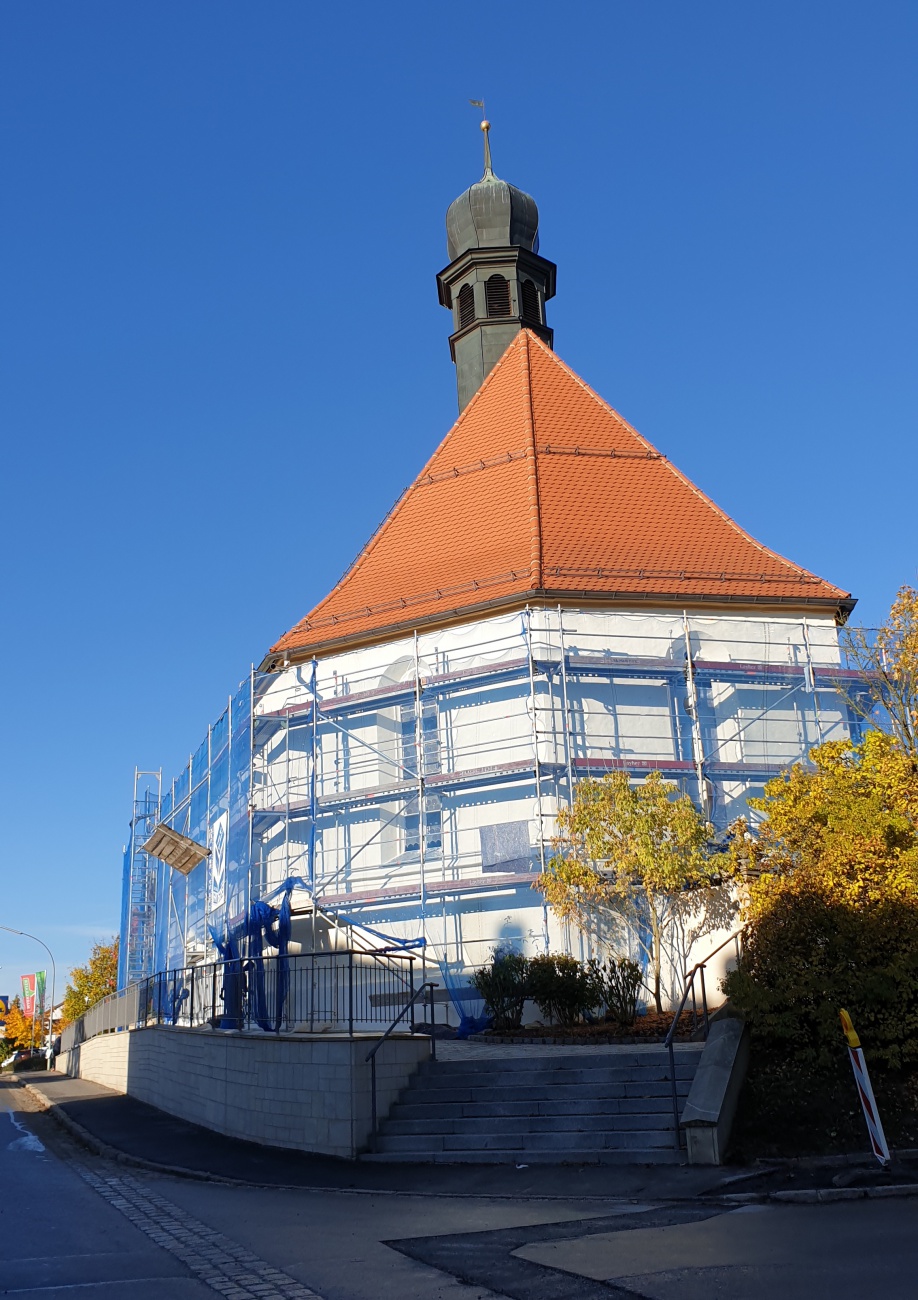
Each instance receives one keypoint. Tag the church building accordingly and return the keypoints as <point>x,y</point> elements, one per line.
<point>550,599</point>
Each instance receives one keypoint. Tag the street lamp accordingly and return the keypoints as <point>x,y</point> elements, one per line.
<point>25,935</point>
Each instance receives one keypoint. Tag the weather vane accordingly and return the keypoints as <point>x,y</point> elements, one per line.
<point>486,127</point>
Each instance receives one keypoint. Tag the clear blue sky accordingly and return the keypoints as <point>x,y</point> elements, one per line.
<point>222,355</point>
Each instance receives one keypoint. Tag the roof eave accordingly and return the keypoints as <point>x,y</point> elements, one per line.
<point>278,657</point>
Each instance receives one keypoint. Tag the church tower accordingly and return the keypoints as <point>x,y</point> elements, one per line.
<point>496,283</point>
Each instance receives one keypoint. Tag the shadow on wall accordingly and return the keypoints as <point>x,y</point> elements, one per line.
<point>307,1093</point>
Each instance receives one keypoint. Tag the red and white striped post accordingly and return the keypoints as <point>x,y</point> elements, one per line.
<point>865,1091</point>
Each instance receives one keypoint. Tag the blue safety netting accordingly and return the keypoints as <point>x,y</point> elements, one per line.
<point>468,1003</point>
<point>212,791</point>
<point>263,927</point>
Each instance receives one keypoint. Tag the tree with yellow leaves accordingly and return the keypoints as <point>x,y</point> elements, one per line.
<point>90,983</point>
<point>833,916</point>
<point>635,854</point>
<point>17,1029</point>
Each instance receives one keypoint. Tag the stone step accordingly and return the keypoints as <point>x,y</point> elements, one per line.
<point>564,1143</point>
<point>637,1156</point>
<point>497,1078</point>
<point>534,1094</point>
<point>521,1124</point>
<point>571,1061</point>
<point>566,1109</point>
<point>650,1156</point>
<point>414,1107</point>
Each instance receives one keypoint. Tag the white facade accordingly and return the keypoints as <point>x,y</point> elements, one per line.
<point>507,713</point>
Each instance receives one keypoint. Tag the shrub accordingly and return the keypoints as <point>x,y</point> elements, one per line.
<point>808,953</point>
<point>503,984</point>
<point>622,981</point>
<point>565,989</point>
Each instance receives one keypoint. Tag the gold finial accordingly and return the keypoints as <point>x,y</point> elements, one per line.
<point>486,127</point>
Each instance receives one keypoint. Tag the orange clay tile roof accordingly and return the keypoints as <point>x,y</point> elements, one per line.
<point>540,490</point>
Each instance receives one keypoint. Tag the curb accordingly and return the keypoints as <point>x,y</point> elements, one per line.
<point>820,1196</point>
<point>835,1162</point>
<point>102,1149</point>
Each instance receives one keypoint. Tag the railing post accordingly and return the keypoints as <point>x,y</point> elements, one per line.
<point>433,1036</point>
<point>191,1002</point>
<point>677,1136</point>
<point>704,1003</point>
<point>213,998</point>
<point>350,992</point>
<point>371,1055</point>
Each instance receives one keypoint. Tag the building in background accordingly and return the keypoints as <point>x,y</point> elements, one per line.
<point>550,599</point>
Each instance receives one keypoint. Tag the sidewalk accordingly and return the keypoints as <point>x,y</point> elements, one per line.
<point>142,1133</point>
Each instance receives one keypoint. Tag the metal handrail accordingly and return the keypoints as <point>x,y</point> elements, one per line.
<point>371,1054</point>
<point>689,978</point>
<point>195,996</point>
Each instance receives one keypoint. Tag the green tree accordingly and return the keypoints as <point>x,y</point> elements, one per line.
<point>636,853</point>
<point>92,982</point>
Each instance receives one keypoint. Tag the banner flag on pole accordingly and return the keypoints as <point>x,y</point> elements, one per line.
<point>865,1091</point>
<point>28,995</point>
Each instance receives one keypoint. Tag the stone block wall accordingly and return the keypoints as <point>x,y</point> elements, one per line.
<point>310,1093</point>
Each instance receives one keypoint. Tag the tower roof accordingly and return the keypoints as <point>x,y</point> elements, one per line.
<point>542,491</point>
<point>491,213</point>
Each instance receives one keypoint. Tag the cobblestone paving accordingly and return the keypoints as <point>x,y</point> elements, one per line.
<point>230,1269</point>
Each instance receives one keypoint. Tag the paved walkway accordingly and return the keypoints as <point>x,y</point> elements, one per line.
<point>144,1133</point>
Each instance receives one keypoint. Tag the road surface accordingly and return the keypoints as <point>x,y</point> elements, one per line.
<point>74,1225</point>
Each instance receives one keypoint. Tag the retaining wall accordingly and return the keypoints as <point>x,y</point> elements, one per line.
<point>311,1093</point>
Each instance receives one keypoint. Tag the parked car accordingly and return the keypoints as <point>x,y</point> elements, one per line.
<point>21,1057</point>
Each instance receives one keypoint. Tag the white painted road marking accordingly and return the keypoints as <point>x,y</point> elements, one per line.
<point>26,1141</point>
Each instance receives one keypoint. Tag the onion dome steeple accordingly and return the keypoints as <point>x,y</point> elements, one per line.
<point>496,283</point>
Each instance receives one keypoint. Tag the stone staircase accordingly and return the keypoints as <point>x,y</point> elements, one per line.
<point>585,1106</point>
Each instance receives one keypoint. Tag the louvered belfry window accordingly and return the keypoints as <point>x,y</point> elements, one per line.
<point>497,296</point>
<point>530,296</point>
<point>466,306</point>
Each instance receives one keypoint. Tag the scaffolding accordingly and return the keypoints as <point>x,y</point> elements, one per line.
<point>416,783</point>
<point>138,892</point>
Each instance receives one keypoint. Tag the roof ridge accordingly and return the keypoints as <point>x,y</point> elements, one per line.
<point>683,478</point>
<point>535,501</point>
<point>609,526</point>
<point>760,546</point>
<point>591,392</point>
<point>400,501</point>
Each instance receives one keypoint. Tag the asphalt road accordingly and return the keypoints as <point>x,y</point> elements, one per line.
<point>57,1235</point>
<point>74,1225</point>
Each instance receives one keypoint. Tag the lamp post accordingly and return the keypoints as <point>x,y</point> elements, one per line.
<point>25,935</point>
